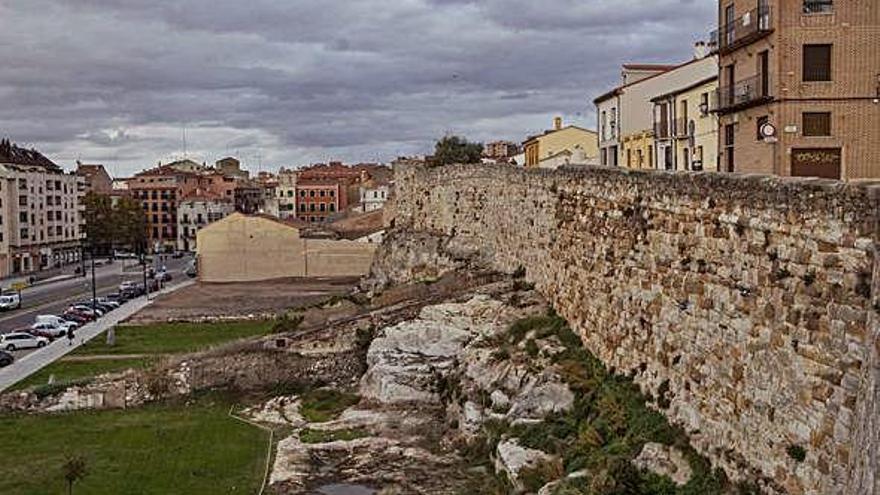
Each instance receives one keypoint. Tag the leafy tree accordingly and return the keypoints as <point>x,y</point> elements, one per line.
<point>110,226</point>
<point>74,470</point>
<point>455,149</point>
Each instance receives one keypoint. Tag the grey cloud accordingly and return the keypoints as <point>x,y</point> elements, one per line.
<point>292,82</point>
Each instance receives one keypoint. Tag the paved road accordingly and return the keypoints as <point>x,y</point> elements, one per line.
<point>33,362</point>
<point>54,298</point>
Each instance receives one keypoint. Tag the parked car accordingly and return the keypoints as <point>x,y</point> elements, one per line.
<point>87,310</point>
<point>20,340</point>
<point>106,301</point>
<point>77,317</point>
<point>101,307</point>
<point>127,285</point>
<point>48,330</point>
<point>192,269</point>
<point>163,276</point>
<point>6,359</point>
<point>118,297</point>
<point>10,301</point>
<point>56,320</point>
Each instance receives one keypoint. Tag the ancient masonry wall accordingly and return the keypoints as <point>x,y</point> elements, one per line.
<point>747,305</point>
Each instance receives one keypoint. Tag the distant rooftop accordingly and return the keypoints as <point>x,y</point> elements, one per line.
<point>11,154</point>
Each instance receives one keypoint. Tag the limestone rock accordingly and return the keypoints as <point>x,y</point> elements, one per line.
<point>512,459</point>
<point>665,461</point>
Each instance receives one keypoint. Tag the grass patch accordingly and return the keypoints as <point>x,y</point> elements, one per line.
<point>323,404</point>
<point>605,430</point>
<point>157,449</point>
<point>66,372</point>
<point>174,338</point>
<point>323,436</point>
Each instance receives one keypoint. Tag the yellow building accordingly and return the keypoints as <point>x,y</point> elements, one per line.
<point>638,150</point>
<point>583,143</point>
<point>241,248</point>
<point>686,133</point>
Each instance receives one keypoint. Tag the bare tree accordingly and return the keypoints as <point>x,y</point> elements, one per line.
<point>74,470</point>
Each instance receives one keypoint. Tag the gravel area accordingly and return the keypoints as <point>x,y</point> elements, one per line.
<point>241,300</point>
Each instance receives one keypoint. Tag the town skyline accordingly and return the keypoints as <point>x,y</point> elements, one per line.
<point>345,87</point>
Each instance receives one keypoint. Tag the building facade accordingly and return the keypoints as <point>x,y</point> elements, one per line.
<point>807,72</point>
<point>500,149</point>
<point>626,113</point>
<point>316,200</point>
<point>578,140</point>
<point>685,131</point>
<point>373,197</point>
<point>41,213</point>
<point>159,190</point>
<point>196,211</point>
<point>96,178</point>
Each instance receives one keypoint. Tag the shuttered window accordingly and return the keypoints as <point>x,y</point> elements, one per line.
<point>817,62</point>
<point>817,123</point>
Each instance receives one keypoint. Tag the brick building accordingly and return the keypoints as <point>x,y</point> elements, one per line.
<point>811,69</point>
<point>317,199</point>
<point>96,178</point>
<point>159,190</point>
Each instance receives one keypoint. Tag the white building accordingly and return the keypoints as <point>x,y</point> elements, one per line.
<point>196,211</point>
<point>41,213</point>
<point>285,193</point>
<point>374,197</point>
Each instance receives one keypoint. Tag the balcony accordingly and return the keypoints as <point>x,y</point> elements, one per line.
<point>751,26</point>
<point>744,94</point>
<point>681,127</point>
<point>661,130</point>
<point>818,6</point>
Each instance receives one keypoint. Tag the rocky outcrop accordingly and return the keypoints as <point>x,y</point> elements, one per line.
<point>665,461</point>
<point>512,459</point>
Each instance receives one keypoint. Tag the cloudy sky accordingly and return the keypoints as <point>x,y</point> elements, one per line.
<point>288,82</point>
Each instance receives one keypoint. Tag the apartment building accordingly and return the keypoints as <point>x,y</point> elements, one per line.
<point>197,210</point>
<point>318,199</point>
<point>626,113</point>
<point>285,192</point>
<point>685,131</point>
<point>799,87</point>
<point>96,178</point>
<point>41,213</point>
<point>159,190</point>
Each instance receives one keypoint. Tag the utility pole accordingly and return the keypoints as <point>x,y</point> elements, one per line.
<point>94,287</point>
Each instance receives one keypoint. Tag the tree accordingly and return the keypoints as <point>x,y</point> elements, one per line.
<point>455,149</point>
<point>110,226</point>
<point>74,470</point>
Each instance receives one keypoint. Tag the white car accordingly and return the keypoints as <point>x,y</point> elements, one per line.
<point>19,340</point>
<point>9,301</point>
<point>82,308</point>
<point>49,330</point>
<point>127,286</point>
<point>56,320</point>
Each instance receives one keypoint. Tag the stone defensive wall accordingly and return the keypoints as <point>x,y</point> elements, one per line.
<point>745,307</point>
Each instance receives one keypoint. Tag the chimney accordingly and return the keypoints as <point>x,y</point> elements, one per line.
<point>701,50</point>
<point>557,123</point>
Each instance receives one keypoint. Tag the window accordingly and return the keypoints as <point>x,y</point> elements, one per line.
<point>817,63</point>
<point>629,158</point>
<point>758,124</point>
<point>332,207</point>
<point>704,104</point>
<point>311,194</point>
<point>332,193</point>
<point>818,6</point>
<point>302,207</point>
<point>686,158</point>
<point>22,201</point>
<point>57,230</point>
<point>22,217</point>
<point>323,207</point>
<point>603,123</point>
<point>729,133</point>
<point>698,159</point>
<point>302,194</point>
<point>817,123</point>
<point>312,207</point>
<point>323,193</point>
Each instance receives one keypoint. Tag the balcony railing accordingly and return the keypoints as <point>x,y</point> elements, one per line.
<point>818,6</point>
<point>748,92</point>
<point>661,130</point>
<point>740,31</point>
<point>681,127</point>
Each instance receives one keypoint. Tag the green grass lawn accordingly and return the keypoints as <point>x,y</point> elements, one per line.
<point>147,341</point>
<point>68,371</point>
<point>157,449</point>
<point>173,338</point>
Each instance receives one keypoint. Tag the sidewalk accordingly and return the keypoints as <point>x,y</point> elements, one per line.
<point>38,360</point>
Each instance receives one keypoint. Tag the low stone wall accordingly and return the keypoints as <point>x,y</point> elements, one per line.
<point>746,305</point>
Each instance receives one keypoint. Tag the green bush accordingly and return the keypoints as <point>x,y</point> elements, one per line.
<point>321,405</point>
<point>287,323</point>
<point>796,452</point>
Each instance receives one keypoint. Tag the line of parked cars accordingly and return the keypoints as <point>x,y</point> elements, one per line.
<point>47,328</point>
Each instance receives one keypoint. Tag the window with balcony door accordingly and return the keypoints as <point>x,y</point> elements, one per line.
<point>817,63</point>
<point>818,6</point>
<point>816,124</point>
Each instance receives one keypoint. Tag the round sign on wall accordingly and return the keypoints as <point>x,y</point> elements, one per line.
<point>768,130</point>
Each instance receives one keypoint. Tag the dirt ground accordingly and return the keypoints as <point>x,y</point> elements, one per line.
<point>241,300</point>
